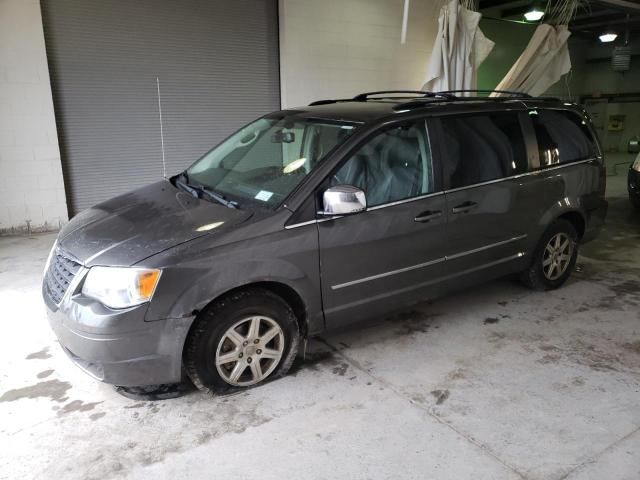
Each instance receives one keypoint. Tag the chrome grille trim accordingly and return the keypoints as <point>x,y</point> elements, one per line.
<point>60,275</point>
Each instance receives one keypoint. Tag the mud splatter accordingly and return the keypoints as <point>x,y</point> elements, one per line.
<point>490,320</point>
<point>440,396</point>
<point>97,416</point>
<point>77,406</point>
<point>413,322</point>
<point>53,389</point>
<point>312,361</point>
<point>632,346</point>
<point>45,373</point>
<point>340,369</point>
<point>41,355</point>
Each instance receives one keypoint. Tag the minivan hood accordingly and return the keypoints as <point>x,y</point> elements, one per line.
<point>131,227</point>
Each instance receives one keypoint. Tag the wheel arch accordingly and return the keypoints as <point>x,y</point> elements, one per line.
<point>576,218</point>
<point>282,290</point>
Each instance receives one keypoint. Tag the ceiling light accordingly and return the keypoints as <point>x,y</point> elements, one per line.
<point>534,15</point>
<point>608,37</point>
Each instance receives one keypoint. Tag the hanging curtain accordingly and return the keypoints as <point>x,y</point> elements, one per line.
<point>542,63</point>
<point>459,49</point>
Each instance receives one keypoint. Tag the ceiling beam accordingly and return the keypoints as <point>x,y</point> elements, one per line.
<point>484,4</point>
<point>614,17</point>
<point>606,24</point>
<point>516,11</point>
<point>620,4</point>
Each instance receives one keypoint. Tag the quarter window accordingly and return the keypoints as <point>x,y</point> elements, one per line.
<point>563,137</point>
<point>394,165</point>
<point>480,148</point>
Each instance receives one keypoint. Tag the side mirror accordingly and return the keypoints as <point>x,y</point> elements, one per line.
<point>343,200</point>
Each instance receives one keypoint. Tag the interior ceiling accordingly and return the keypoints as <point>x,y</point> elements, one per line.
<point>593,19</point>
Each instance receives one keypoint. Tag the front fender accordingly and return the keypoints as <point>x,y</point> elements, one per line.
<point>288,257</point>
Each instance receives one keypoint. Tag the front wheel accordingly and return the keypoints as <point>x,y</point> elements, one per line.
<point>241,341</point>
<point>554,258</point>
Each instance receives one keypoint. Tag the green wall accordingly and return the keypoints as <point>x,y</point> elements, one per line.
<point>510,39</point>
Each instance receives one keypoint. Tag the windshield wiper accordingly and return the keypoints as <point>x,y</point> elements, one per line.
<point>198,190</point>
<point>217,197</point>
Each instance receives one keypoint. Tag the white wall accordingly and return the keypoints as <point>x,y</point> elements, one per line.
<point>338,48</point>
<point>31,186</point>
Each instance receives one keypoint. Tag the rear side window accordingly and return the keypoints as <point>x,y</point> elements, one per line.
<point>563,137</point>
<point>480,148</point>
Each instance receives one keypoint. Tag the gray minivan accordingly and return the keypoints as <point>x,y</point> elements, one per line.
<point>313,218</point>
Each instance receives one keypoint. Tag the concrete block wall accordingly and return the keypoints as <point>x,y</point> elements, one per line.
<point>32,196</point>
<point>338,48</point>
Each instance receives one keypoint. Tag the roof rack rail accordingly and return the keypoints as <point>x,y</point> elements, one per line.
<point>327,102</point>
<point>363,97</point>
<point>504,92</point>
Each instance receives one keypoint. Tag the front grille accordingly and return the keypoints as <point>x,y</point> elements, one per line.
<point>59,276</point>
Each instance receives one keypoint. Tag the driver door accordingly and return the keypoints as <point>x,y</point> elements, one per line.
<point>391,254</point>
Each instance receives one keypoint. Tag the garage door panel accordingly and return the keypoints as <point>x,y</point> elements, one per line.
<point>216,62</point>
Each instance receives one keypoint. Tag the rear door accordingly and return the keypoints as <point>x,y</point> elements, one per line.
<point>387,256</point>
<point>482,155</point>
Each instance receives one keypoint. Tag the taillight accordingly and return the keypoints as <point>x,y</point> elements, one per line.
<point>602,187</point>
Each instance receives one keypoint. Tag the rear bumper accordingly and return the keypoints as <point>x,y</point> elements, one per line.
<point>595,221</point>
<point>117,346</point>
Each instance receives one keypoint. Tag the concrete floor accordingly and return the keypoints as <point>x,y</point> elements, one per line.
<point>494,383</point>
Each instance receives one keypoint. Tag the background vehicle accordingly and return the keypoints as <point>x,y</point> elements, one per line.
<point>313,218</point>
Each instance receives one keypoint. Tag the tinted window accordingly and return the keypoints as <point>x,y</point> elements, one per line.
<point>480,148</point>
<point>393,165</point>
<point>562,137</point>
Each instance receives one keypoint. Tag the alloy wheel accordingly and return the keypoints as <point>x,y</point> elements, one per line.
<point>249,351</point>
<point>557,256</point>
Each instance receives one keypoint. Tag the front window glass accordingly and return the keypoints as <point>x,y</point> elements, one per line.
<point>266,160</point>
<point>394,165</point>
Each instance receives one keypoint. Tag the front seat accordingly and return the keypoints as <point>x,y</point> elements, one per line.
<point>398,174</point>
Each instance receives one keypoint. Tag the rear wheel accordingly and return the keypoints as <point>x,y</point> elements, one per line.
<point>242,340</point>
<point>554,258</point>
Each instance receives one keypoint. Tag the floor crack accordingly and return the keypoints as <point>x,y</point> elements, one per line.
<point>599,454</point>
<point>356,365</point>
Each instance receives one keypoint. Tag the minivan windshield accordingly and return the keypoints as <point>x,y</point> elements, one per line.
<point>263,162</point>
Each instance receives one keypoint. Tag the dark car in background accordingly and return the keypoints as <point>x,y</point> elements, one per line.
<point>313,218</point>
<point>633,183</point>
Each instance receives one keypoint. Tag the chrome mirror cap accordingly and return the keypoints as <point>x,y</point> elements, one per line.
<point>343,200</point>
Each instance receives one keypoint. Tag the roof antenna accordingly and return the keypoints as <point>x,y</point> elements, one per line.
<point>164,165</point>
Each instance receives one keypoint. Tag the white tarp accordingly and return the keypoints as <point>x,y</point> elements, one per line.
<point>544,61</point>
<point>459,49</point>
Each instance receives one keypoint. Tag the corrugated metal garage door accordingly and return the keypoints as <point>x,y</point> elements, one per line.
<point>217,65</point>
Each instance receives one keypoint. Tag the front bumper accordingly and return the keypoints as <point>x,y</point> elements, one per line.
<point>118,346</point>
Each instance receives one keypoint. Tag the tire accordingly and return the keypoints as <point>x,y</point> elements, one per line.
<point>537,276</point>
<point>221,342</point>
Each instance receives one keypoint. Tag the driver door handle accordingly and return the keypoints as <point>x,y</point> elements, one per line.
<point>464,207</point>
<point>427,216</point>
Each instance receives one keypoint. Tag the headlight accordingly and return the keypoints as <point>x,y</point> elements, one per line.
<point>48,262</point>
<point>121,287</point>
<point>636,164</point>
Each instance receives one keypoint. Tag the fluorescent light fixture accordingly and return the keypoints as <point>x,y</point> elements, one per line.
<point>608,37</point>
<point>533,15</point>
